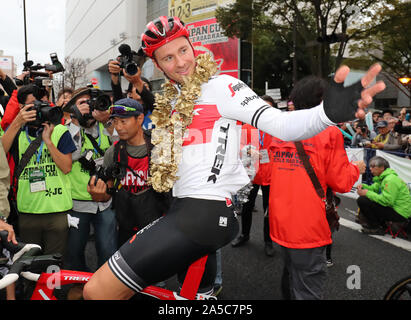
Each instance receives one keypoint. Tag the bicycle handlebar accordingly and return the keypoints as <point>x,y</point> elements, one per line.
<point>26,260</point>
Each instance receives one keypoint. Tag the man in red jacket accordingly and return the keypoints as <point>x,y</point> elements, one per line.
<point>296,213</point>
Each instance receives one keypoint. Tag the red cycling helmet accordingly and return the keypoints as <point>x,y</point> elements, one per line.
<point>161,31</point>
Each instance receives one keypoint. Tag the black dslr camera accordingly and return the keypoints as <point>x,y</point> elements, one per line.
<point>88,164</point>
<point>127,61</point>
<point>98,100</point>
<point>45,113</point>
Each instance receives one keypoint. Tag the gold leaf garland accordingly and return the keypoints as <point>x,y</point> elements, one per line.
<point>171,123</point>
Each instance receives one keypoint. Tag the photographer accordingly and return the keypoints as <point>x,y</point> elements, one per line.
<point>127,166</point>
<point>8,86</point>
<point>41,150</point>
<point>88,108</point>
<point>139,88</point>
<point>361,137</point>
<point>63,97</point>
<point>404,117</point>
<point>12,108</point>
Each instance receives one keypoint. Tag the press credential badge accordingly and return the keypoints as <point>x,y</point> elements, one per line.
<point>37,180</point>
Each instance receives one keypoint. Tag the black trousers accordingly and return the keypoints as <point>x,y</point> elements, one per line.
<point>375,214</point>
<point>247,213</point>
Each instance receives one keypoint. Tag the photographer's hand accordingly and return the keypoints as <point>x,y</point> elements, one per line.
<point>83,106</point>
<point>114,69</point>
<point>21,119</point>
<point>63,161</point>
<point>98,190</point>
<point>22,76</point>
<point>101,116</point>
<point>25,115</point>
<point>135,80</point>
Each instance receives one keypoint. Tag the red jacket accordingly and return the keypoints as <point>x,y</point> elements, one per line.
<point>261,141</point>
<point>296,213</point>
<point>12,110</point>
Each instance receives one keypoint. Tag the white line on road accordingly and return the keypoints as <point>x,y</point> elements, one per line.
<point>398,242</point>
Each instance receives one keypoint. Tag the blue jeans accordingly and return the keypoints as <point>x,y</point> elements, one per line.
<point>105,231</point>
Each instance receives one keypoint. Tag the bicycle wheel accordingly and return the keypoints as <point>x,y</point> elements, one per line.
<point>400,290</point>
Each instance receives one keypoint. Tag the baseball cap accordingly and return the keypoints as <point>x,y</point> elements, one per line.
<point>125,108</point>
<point>382,124</point>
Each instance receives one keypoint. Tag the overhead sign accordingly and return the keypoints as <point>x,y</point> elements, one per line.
<point>6,63</point>
<point>195,10</point>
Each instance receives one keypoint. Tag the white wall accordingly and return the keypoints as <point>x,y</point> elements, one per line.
<point>96,28</point>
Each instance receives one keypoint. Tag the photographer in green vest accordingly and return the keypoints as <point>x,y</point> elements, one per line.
<point>41,150</point>
<point>90,130</point>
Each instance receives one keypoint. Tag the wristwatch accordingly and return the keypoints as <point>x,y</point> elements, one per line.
<point>3,218</point>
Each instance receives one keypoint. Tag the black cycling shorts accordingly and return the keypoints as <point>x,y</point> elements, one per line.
<point>191,229</point>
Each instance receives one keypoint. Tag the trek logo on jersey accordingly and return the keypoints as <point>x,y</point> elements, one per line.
<point>236,87</point>
<point>220,154</point>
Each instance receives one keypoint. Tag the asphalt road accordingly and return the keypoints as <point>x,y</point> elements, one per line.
<point>248,274</point>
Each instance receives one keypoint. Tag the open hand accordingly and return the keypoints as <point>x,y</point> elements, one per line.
<point>346,103</point>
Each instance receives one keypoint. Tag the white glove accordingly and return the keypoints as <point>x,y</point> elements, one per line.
<point>73,221</point>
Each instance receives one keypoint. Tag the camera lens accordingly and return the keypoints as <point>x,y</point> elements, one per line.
<point>103,102</point>
<point>131,69</point>
<point>50,114</point>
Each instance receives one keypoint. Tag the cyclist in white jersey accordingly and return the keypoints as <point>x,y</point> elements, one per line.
<point>200,219</point>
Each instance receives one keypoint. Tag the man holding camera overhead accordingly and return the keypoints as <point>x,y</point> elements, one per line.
<point>41,149</point>
<point>90,131</point>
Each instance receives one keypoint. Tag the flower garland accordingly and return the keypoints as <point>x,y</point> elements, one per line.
<point>171,123</point>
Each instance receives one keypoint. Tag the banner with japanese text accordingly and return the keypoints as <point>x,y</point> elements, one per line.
<point>207,36</point>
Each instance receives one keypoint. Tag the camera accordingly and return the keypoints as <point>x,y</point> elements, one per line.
<point>363,144</point>
<point>41,79</point>
<point>98,100</point>
<point>45,113</point>
<point>126,59</point>
<point>88,164</point>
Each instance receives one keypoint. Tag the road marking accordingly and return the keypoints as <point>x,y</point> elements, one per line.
<point>398,242</point>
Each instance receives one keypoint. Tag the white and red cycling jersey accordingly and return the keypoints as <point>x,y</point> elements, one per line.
<point>211,167</point>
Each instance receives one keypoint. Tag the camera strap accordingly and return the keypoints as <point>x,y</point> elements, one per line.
<point>95,144</point>
<point>309,168</point>
<point>25,159</point>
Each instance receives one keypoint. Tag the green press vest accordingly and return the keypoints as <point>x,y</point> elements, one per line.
<point>57,196</point>
<point>79,178</point>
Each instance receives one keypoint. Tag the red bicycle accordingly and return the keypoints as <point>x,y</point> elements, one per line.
<point>30,264</point>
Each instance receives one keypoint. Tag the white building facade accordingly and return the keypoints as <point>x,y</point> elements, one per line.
<point>96,28</point>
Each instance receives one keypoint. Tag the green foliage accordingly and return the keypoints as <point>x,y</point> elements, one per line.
<point>313,19</point>
<point>387,38</point>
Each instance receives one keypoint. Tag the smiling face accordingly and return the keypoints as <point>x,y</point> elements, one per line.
<point>176,59</point>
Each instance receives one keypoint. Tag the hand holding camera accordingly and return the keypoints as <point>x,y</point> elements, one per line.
<point>114,67</point>
<point>47,131</point>
<point>26,114</point>
<point>83,106</point>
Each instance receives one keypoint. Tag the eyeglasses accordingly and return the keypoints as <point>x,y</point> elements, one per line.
<point>117,109</point>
